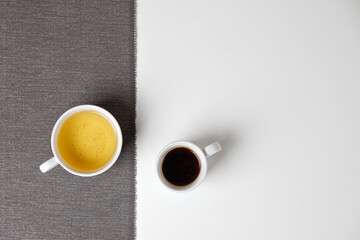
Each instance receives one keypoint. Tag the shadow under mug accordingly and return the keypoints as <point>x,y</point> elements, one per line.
<point>201,154</point>
<point>58,160</point>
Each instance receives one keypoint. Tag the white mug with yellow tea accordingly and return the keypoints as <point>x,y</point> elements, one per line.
<point>86,141</point>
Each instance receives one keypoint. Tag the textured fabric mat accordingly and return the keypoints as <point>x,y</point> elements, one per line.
<point>56,55</point>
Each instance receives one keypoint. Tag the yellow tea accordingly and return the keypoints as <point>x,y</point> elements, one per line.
<point>86,141</point>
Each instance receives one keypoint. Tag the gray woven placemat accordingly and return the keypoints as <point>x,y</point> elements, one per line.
<point>56,55</point>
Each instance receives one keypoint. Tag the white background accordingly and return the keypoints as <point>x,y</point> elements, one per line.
<point>277,83</point>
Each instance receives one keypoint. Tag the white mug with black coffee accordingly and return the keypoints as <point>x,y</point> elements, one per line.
<point>182,165</point>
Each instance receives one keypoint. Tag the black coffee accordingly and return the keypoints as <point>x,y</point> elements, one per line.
<point>180,166</point>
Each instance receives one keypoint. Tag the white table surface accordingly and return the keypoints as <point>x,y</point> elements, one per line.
<point>277,83</point>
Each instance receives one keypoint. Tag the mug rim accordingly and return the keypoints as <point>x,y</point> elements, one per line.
<point>200,156</point>
<point>104,113</point>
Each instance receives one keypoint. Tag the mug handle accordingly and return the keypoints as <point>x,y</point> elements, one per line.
<point>211,149</point>
<point>48,165</point>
